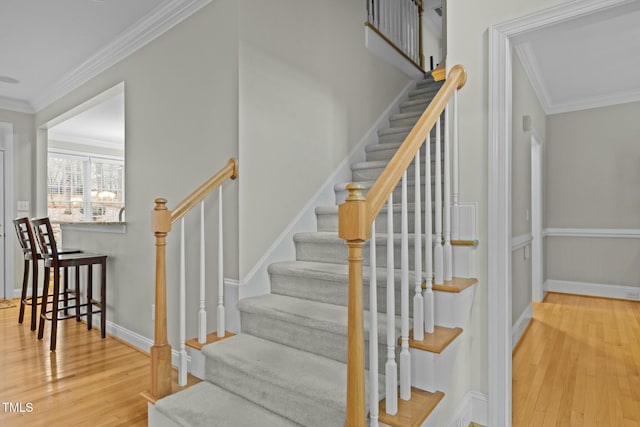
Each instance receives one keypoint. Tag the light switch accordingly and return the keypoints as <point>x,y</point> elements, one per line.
<point>23,205</point>
<point>527,251</point>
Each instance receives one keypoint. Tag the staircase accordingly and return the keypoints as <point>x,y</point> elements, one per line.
<point>288,365</point>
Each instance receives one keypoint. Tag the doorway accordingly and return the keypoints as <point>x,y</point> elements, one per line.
<point>6,211</point>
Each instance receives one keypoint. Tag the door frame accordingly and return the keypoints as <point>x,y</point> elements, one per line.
<point>499,192</point>
<point>537,218</point>
<point>9,249</point>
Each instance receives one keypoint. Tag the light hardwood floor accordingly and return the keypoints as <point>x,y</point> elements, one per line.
<point>578,364</point>
<point>87,381</point>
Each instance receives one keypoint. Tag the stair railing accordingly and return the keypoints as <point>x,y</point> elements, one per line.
<point>162,219</point>
<point>399,22</point>
<point>357,225</point>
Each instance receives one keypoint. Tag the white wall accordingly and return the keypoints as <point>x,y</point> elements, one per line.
<point>467,23</point>
<point>309,90</point>
<point>592,176</point>
<point>525,103</point>
<point>181,117</point>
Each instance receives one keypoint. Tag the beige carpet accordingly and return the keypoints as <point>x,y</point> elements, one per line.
<point>6,303</point>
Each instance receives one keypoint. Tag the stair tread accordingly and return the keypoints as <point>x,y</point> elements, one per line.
<point>413,412</point>
<point>394,130</point>
<point>455,285</point>
<point>333,209</point>
<point>436,341</point>
<point>201,403</point>
<point>312,314</point>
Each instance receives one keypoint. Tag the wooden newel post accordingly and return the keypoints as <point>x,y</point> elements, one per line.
<point>161,350</point>
<point>354,228</point>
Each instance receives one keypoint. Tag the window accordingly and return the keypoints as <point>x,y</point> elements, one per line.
<point>84,189</point>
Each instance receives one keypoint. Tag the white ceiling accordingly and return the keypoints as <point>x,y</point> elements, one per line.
<point>588,62</point>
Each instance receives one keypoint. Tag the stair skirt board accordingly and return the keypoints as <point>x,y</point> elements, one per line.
<point>287,366</point>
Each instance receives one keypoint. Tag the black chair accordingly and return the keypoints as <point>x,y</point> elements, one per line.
<point>31,256</point>
<point>56,261</point>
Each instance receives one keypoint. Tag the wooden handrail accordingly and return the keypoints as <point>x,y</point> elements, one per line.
<point>161,221</point>
<point>229,171</point>
<point>387,181</point>
<point>356,215</point>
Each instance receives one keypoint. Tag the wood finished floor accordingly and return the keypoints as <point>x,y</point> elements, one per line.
<point>578,364</point>
<point>87,381</point>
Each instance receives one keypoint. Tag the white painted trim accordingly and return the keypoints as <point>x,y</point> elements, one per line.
<point>147,29</point>
<point>499,192</point>
<point>610,233</point>
<point>135,339</point>
<point>537,216</point>
<point>256,282</point>
<point>381,48</point>
<point>96,227</point>
<point>532,70</point>
<point>521,324</point>
<point>231,298</point>
<point>9,201</point>
<point>520,241</point>
<point>594,289</point>
<point>499,230</point>
<point>472,408</point>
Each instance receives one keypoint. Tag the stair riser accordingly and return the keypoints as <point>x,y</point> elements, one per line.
<point>337,292</point>
<point>422,84</point>
<point>323,343</point>
<point>394,137</point>
<point>341,195</point>
<point>273,396</point>
<point>329,222</point>
<point>337,253</point>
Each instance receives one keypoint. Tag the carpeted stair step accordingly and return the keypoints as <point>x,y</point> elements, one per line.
<point>426,90</point>
<point>385,151</point>
<point>428,82</point>
<point>307,325</point>
<point>329,283</point>
<point>328,247</point>
<point>303,387</point>
<point>415,104</point>
<point>327,218</point>
<point>205,404</point>
<point>341,190</point>
<point>408,119</point>
<point>393,134</point>
<point>371,170</point>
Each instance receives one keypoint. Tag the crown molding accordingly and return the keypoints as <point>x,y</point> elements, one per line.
<point>532,70</point>
<point>147,29</point>
<point>586,103</point>
<point>13,104</point>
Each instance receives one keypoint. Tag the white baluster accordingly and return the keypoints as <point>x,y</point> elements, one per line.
<point>418,302</point>
<point>405,356</point>
<point>437,249</point>
<point>446,250</point>
<point>416,38</point>
<point>429,317</point>
<point>373,331</point>
<point>182,371</point>
<point>391,368</point>
<point>221,313</point>
<point>456,190</point>
<point>202,321</point>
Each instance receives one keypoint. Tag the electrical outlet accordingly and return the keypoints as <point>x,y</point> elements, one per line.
<point>153,312</point>
<point>635,295</point>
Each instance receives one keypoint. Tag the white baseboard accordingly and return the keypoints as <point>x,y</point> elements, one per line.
<point>256,282</point>
<point>520,325</point>
<point>135,339</point>
<point>472,408</point>
<point>593,289</point>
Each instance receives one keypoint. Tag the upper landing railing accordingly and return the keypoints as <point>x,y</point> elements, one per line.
<point>399,22</point>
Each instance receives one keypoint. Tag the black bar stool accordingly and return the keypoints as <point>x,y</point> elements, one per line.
<point>56,261</point>
<point>31,256</point>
